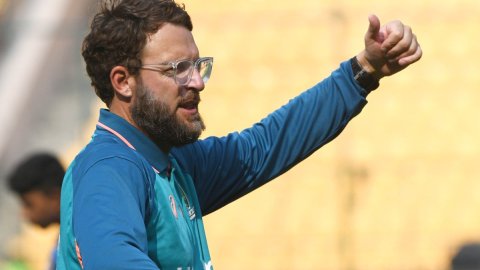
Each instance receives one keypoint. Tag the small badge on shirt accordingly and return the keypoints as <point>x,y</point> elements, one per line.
<point>191,212</point>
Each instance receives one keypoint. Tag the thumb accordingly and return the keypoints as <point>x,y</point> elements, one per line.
<point>373,32</point>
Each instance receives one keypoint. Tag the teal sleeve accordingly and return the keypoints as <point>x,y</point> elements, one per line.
<point>109,211</point>
<point>227,168</point>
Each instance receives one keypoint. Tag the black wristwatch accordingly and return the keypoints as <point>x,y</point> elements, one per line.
<point>363,78</point>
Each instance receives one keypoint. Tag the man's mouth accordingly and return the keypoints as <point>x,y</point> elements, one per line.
<point>190,103</point>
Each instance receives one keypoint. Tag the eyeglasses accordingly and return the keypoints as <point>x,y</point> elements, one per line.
<point>181,71</point>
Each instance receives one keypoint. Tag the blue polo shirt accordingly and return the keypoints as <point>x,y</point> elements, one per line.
<point>127,205</point>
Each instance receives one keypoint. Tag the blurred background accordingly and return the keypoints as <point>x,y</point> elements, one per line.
<point>397,190</point>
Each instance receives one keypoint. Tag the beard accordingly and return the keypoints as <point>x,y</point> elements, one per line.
<point>154,117</point>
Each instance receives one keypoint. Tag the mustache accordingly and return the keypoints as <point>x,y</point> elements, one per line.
<point>192,97</point>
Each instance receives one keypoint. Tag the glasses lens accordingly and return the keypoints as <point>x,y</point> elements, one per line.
<point>183,72</point>
<point>205,69</point>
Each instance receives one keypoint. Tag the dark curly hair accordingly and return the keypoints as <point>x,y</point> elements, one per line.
<point>119,32</point>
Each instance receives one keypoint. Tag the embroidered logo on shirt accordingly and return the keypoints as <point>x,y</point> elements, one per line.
<point>173,205</point>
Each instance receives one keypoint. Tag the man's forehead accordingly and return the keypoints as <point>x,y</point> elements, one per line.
<point>170,42</point>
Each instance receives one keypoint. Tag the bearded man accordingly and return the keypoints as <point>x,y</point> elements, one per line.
<point>134,198</point>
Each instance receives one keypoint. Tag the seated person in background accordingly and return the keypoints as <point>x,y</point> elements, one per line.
<point>37,180</point>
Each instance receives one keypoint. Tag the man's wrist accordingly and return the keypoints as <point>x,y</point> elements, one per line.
<point>364,77</point>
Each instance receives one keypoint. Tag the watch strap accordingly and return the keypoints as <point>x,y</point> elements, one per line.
<point>366,80</point>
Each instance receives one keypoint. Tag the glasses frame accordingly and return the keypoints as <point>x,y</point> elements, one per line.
<point>174,64</point>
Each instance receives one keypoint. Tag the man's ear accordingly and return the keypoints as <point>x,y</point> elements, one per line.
<point>119,77</point>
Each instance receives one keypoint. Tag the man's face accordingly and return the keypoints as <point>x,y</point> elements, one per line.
<point>166,111</point>
<point>41,208</point>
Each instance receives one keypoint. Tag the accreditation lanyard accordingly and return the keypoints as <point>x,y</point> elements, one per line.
<point>186,201</point>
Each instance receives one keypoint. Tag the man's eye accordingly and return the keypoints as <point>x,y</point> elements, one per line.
<point>183,67</point>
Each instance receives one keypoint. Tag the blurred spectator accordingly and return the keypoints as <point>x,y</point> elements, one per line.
<point>37,180</point>
<point>467,257</point>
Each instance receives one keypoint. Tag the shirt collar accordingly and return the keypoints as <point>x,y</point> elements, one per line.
<point>142,144</point>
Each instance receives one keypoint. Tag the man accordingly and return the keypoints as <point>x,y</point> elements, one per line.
<point>135,196</point>
<point>37,180</point>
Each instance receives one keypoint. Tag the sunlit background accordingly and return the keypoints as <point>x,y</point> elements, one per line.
<point>397,190</point>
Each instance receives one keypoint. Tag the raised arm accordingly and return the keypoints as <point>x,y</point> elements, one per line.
<point>226,168</point>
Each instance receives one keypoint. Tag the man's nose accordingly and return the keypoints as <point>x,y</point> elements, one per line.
<point>196,82</point>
